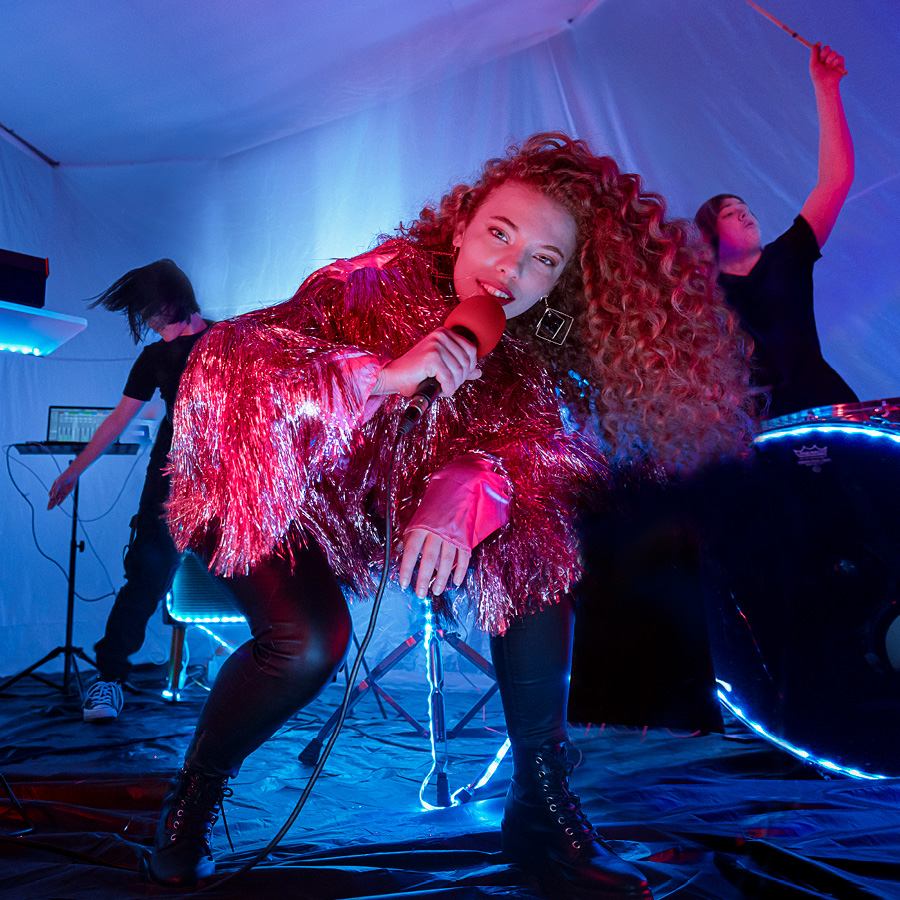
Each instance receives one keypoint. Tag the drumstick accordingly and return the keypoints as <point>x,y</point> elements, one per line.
<point>783,27</point>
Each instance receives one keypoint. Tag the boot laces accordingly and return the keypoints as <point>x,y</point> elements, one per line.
<point>197,808</point>
<point>554,771</point>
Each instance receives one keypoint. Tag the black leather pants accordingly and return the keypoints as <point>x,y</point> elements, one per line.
<point>301,630</point>
<point>532,661</point>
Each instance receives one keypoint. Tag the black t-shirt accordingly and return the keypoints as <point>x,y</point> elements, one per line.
<point>775,303</point>
<point>159,367</point>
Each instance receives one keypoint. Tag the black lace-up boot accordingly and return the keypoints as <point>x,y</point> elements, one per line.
<point>546,833</point>
<point>181,848</point>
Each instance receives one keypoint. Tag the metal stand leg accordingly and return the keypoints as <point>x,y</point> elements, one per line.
<point>19,809</point>
<point>68,651</point>
<point>310,754</point>
<point>176,661</point>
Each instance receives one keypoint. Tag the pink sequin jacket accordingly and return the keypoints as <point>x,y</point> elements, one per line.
<point>276,436</point>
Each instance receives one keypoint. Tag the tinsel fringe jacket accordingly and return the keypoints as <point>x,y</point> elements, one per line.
<point>276,438</point>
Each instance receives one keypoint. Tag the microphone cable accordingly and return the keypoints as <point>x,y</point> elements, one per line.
<point>481,320</point>
<point>351,684</point>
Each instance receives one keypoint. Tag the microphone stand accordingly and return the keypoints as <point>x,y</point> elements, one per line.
<point>70,652</point>
<point>310,753</point>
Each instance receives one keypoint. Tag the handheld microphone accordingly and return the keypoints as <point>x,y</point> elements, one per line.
<point>480,320</point>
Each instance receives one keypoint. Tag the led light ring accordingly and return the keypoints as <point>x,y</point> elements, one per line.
<point>788,747</point>
<point>881,431</point>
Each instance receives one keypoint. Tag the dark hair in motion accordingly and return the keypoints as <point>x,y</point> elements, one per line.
<point>157,289</point>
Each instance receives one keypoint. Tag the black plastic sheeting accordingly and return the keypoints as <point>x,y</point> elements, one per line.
<point>703,816</point>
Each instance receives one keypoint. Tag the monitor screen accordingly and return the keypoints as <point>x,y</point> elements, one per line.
<point>75,424</point>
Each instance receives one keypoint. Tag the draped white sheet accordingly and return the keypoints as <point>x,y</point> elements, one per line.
<point>699,97</point>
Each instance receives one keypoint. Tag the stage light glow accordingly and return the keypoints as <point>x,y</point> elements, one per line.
<point>33,331</point>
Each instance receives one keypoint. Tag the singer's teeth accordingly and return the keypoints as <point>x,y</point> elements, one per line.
<point>494,292</point>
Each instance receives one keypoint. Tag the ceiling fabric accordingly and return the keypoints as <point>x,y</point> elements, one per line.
<point>125,81</point>
<point>252,142</point>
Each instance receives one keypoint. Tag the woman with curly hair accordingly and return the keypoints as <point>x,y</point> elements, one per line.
<point>284,426</point>
<point>654,359</point>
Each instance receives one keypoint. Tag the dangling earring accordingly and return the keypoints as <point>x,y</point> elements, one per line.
<point>554,326</point>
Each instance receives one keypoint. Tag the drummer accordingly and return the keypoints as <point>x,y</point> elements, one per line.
<point>771,287</point>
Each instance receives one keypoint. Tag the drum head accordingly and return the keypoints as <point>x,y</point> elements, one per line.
<point>803,592</point>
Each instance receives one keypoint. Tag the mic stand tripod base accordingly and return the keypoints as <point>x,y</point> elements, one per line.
<point>309,756</point>
<point>68,651</point>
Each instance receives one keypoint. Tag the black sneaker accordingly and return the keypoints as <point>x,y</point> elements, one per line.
<point>103,701</point>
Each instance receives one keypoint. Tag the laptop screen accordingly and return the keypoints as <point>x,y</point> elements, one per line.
<point>75,424</point>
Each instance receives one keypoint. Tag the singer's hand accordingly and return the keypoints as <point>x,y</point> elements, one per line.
<point>439,559</point>
<point>442,355</point>
<point>62,487</point>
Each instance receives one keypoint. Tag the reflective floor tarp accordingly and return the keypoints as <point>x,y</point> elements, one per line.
<point>703,816</point>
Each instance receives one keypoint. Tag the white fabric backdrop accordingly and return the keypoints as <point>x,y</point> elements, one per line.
<point>698,97</point>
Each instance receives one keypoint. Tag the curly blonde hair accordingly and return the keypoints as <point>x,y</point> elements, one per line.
<point>661,365</point>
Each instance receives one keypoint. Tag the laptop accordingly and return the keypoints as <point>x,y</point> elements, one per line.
<point>74,424</point>
<point>70,428</point>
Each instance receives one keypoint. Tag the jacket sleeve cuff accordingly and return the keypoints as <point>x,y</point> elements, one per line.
<point>465,501</point>
<point>360,370</point>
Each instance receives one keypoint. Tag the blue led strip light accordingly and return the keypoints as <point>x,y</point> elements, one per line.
<point>167,694</point>
<point>21,348</point>
<point>196,620</point>
<point>219,640</point>
<point>805,755</point>
<point>801,430</point>
<point>463,794</point>
<point>429,637</point>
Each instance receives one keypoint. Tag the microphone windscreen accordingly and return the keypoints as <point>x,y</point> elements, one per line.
<point>481,316</point>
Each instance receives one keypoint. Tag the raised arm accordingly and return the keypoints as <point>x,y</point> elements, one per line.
<point>109,431</point>
<point>836,164</point>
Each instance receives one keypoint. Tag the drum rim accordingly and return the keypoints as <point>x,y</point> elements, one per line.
<point>839,412</point>
<point>875,429</point>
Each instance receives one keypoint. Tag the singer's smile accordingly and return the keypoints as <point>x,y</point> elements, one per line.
<point>502,295</point>
<point>514,248</point>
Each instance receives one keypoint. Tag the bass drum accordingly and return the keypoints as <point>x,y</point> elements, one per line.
<point>803,589</point>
